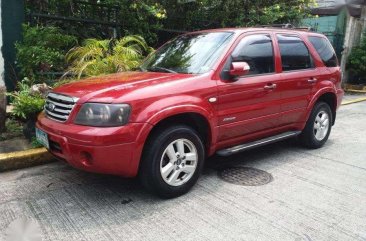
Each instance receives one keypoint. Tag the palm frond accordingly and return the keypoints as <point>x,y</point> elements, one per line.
<point>97,57</point>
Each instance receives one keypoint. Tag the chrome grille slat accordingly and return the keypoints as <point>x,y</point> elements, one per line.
<point>58,107</point>
<point>56,115</point>
<point>62,111</point>
<point>63,98</point>
<point>59,104</point>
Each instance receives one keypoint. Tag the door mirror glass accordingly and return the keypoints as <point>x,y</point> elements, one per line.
<point>239,69</point>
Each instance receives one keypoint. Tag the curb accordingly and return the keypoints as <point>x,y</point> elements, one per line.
<point>355,88</point>
<point>356,91</point>
<point>24,159</point>
<point>354,101</point>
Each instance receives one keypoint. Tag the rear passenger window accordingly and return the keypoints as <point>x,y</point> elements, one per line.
<point>325,50</point>
<point>257,51</point>
<point>294,53</point>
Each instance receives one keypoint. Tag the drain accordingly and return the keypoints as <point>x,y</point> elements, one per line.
<point>245,176</point>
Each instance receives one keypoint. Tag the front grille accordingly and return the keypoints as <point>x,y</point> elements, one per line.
<point>59,107</point>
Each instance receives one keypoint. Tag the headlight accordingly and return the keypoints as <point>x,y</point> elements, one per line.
<point>104,115</point>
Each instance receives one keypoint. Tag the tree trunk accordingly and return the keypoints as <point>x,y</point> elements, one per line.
<point>2,108</point>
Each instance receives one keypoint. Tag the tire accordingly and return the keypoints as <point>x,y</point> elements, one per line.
<point>168,175</point>
<point>318,126</point>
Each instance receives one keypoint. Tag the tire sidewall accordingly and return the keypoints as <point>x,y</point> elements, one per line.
<point>160,144</point>
<point>321,106</point>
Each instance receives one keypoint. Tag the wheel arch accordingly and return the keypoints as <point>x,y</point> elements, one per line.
<point>195,120</point>
<point>328,96</point>
<point>331,99</point>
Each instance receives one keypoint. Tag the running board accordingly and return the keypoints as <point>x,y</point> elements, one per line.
<point>254,144</point>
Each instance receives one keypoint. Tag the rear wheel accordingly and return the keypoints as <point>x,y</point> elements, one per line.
<point>172,161</point>
<point>318,126</point>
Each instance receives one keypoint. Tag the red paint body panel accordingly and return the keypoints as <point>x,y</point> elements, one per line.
<point>244,110</point>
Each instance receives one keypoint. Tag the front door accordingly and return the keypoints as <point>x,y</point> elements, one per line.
<point>251,103</point>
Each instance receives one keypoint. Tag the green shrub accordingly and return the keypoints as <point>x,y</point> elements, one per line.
<point>98,57</point>
<point>13,129</point>
<point>356,61</point>
<point>42,49</point>
<point>26,104</point>
<point>35,143</point>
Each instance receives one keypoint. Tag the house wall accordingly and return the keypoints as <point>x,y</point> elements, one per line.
<point>363,20</point>
<point>355,29</point>
<point>343,30</point>
<point>331,26</point>
<point>328,3</point>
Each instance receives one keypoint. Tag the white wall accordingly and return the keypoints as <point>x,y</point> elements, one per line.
<point>329,3</point>
<point>354,30</point>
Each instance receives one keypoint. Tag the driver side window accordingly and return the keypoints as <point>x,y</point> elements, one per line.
<point>257,51</point>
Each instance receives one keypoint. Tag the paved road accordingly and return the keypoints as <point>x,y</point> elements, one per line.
<point>314,195</point>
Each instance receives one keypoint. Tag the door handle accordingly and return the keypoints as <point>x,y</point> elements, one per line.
<point>312,80</point>
<point>270,87</point>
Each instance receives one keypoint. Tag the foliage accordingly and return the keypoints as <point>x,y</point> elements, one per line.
<point>2,106</point>
<point>13,129</point>
<point>357,59</point>
<point>42,50</point>
<point>35,143</point>
<point>135,17</point>
<point>26,104</point>
<point>96,57</point>
<point>142,18</point>
<point>262,12</point>
<point>147,17</point>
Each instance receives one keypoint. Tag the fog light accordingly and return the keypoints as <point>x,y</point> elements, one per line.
<point>86,158</point>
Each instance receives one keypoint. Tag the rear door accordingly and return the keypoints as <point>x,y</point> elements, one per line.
<point>249,104</point>
<point>298,79</point>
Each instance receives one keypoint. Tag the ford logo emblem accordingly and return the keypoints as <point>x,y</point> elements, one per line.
<point>51,107</point>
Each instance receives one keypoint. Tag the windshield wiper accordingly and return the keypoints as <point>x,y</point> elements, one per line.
<point>160,69</point>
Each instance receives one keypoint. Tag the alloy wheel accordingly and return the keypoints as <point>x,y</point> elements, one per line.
<point>321,125</point>
<point>178,162</point>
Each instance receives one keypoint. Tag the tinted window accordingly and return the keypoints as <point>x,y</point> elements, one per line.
<point>325,50</point>
<point>294,53</point>
<point>257,51</point>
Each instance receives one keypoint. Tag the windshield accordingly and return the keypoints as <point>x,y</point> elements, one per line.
<point>189,54</point>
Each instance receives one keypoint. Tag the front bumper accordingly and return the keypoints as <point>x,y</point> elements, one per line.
<point>113,150</point>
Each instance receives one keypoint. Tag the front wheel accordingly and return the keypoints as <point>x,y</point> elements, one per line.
<point>172,161</point>
<point>318,126</point>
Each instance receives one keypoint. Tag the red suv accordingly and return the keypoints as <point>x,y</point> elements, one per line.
<point>216,91</point>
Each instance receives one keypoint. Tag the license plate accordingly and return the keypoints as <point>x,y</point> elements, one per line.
<point>42,138</point>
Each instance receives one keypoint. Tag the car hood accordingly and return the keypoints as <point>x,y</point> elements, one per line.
<point>110,87</point>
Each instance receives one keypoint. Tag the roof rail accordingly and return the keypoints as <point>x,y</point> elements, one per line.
<point>309,29</point>
<point>288,26</point>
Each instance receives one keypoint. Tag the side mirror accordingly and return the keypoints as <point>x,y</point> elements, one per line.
<point>239,69</point>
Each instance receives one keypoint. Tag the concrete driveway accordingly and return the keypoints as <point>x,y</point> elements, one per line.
<point>314,195</point>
